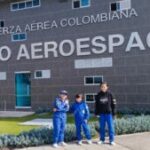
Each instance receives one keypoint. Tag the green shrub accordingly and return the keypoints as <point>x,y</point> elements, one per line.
<point>38,137</point>
<point>134,111</point>
<point>132,125</point>
<point>129,125</point>
<point>70,134</point>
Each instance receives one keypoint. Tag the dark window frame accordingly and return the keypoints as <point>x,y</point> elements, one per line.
<point>33,4</point>
<point>2,23</point>
<point>94,83</point>
<point>90,94</point>
<point>79,5</point>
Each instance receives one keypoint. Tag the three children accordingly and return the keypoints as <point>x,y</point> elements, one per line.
<point>105,108</point>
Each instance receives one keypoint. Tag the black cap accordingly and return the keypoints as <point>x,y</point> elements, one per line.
<point>63,92</point>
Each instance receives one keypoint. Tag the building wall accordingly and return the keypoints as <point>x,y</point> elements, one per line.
<point>128,77</point>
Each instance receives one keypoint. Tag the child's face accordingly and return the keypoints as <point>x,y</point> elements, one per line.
<point>104,88</point>
<point>63,96</point>
<point>79,100</point>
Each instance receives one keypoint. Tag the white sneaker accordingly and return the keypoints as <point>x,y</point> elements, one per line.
<point>89,141</point>
<point>55,145</point>
<point>63,144</point>
<point>112,143</point>
<point>80,142</point>
<point>100,142</point>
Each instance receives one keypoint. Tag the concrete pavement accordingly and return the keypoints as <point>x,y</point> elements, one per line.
<point>38,122</point>
<point>140,141</point>
<point>12,114</point>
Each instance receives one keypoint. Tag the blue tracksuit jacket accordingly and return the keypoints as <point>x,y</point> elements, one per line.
<point>81,113</point>
<point>59,119</point>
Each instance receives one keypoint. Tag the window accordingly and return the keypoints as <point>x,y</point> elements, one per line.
<point>84,3</point>
<point>36,2</point>
<point>120,5</point>
<point>3,76</point>
<point>90,97</point>
<point>98,80</point>
<point>21,5</point>
<point>29,4</point>
<point>89,80</point>
<point>80,3</point>
<point>114,7</point>
<point>42,74</point>
<point>76,4</point>
<point>25,5</point>
<point>22,36</point>
<point>1,24</point>
<point>38,74</point>
<point>93,80</point>
<point>19,37</point>
<point>15,6</point>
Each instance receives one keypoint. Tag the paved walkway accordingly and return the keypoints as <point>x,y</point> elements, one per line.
<point>38,122</point>
<point>139,141</point>
<point>11,114</point>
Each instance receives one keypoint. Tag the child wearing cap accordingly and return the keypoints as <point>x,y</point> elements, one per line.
<point>61,106</point>
<point>81,116</point>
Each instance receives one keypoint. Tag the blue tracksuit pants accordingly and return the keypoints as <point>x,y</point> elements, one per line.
<point>59,124</point>
<point>106,118</point>
<point>86,130</point>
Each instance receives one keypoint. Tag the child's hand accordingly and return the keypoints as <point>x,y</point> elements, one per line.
<point>97,116</point>
<point>54,110</point>
<point>86,121</point>
<point>66,102</point>
<point>114,117</point>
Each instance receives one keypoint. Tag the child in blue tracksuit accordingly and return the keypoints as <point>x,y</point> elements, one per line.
<point>105,107</point>
<point>81,115</point>
<point>61,106</point>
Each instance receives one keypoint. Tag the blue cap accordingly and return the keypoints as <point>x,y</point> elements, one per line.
<point>63,92</point>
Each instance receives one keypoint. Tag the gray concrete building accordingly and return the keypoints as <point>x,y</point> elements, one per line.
<point>49,45</point>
